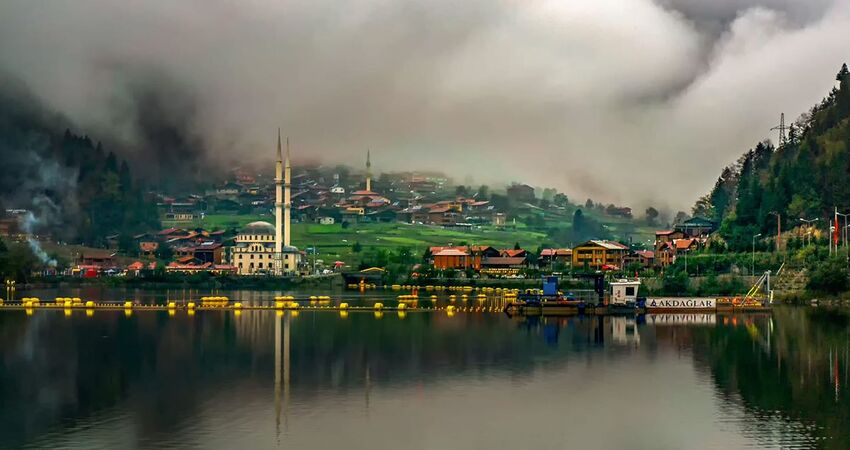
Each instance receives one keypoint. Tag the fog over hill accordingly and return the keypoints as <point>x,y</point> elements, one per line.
<point>624,101</point>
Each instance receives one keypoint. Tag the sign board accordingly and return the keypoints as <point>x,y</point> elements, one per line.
<point>681,303</point>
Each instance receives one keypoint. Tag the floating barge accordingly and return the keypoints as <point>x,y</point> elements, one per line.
<point>623,299</point>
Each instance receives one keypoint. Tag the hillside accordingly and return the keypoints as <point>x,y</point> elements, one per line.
<point>804,177</point>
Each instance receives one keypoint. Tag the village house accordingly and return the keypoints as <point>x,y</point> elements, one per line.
<point>664,236</point>
<point>504,262</point>
<point>644,258</point>
<point>462,257</point>
<point>98,258</point>
<point>452,258</point>
<point>669,251</point>
<point>599,255</point>
<point>696,227</point>
<point>549,257</point>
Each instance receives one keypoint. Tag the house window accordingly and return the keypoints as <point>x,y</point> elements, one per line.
<point>630,290</point>
<point>252,256</point>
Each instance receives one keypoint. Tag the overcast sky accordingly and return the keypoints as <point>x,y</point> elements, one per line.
<point>624,101</point>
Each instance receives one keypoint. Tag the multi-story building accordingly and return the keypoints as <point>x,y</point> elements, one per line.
<point>598,255</point>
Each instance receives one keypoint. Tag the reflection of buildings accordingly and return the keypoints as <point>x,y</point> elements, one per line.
<point>624,331</point>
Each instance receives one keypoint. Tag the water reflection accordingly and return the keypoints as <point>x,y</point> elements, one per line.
<point>663,381</point>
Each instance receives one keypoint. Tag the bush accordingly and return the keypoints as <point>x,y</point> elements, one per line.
<point>829,276</point>
<point>675,282</point>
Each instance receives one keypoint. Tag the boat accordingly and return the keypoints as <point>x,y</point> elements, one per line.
<point>624,299</point>
<point>548,301</point>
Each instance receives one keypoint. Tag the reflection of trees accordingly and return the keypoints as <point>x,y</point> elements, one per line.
<point>57,371</point>
<point>793,373</point>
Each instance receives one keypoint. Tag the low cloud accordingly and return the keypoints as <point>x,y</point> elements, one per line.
<point>624,101</point>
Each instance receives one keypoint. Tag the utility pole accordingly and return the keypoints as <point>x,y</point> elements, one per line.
<point>781,127</point>
<point>753,267</point>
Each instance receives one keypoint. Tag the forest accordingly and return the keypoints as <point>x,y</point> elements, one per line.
<point>804,177</point>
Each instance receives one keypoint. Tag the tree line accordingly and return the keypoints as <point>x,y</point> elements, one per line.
<point>804,177</point>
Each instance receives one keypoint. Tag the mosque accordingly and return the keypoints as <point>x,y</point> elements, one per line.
<point>265,249</point>
<point>367,198</point>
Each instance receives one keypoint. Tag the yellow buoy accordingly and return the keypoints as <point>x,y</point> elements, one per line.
<point>128,304</point>
<point>89,304</point>
<point>172,305</point>
<point>237,305</point>
<point>190,305</point>
<point>343,306</point>
<point>402,307</point>
<point>379,306</point>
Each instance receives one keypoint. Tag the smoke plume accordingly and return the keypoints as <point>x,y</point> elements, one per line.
<point>625,101</point>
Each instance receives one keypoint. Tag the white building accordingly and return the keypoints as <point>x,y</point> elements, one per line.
<point>262,248</point>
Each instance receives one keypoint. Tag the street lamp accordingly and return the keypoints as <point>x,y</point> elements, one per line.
<point>753,267</point>
<point>809,223</point>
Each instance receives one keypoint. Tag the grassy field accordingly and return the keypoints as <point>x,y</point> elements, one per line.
<point>336,243</point>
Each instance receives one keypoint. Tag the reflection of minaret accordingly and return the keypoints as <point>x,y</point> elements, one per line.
<point>281,371</point>
<point>368,387</point>
<point>277,361</point>
<point>368,172</point>
<point>286,371</point>
<point>278,204</point>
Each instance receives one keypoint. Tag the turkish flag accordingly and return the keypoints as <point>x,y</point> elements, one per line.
<point>835,229</point>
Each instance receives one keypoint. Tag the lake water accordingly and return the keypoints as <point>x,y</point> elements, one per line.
<point>427,380</point>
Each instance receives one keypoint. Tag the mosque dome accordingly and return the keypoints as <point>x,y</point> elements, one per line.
<point>258,227</point>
